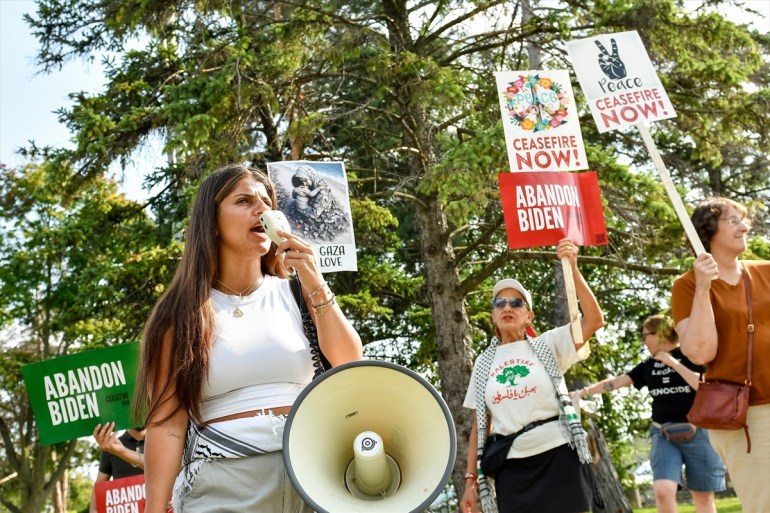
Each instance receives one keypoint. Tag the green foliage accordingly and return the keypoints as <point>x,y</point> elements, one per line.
<point>78,272</point>
<point>79,499</point>
<point>465,179</point>
<point>403,93</point>
<point>77,261</point>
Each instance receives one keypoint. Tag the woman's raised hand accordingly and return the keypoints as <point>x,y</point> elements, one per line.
<point>566,249</point>
<point>300,257</point>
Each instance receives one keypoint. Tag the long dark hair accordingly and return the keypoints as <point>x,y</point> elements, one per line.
<point>184,313</point>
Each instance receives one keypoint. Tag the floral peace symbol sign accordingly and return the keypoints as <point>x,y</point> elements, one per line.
<point>536,103</point>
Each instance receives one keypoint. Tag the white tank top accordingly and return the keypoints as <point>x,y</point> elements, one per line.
<point>259,360</point>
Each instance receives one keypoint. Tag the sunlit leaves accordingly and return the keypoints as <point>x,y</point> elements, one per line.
<point>70,266</point>
<point>403,92</point>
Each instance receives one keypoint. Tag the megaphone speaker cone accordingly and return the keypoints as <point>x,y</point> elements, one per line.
<point>409,419</point>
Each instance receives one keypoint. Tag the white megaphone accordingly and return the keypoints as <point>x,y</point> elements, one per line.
<point>371,437</point>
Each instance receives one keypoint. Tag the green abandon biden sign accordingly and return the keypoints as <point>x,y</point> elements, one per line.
<point>70,395</point>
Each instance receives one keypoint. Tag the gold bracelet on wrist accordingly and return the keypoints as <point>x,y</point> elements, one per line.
<point>318,290</point>
<point>139,461</point>
<point>320,309</point>
<point>325,303</point>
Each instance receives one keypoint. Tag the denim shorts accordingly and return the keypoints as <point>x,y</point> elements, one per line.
<point>703,468</point>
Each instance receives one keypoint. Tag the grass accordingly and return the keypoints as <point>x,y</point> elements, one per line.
<point>724,505</point>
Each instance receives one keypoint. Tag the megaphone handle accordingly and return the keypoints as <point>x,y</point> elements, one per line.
<point>320,363</point>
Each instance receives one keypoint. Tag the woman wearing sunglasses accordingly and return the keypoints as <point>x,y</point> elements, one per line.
<point>672,380</point>
<point>517,386</point>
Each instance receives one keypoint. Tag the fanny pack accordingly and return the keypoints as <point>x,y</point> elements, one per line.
<point>497,446</point>
<point>678,432</point>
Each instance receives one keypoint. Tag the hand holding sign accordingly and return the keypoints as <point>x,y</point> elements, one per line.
<point>107,439</point>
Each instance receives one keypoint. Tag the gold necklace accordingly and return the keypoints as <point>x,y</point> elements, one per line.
<point>238,313</point>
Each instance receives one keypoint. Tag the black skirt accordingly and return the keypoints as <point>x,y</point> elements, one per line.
<point>551,482</point>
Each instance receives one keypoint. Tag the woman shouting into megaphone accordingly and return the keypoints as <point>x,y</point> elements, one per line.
<point>527,436</point>
<point>225,354</point>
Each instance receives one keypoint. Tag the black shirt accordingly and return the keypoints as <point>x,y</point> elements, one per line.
<point>672,397</point>
<point>118,467</point>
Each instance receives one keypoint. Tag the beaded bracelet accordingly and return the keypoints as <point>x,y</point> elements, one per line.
<point>316,291</point>
<point>325,303</point>
<point>321,308</point>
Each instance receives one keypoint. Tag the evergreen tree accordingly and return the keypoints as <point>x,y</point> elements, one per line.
<point>402,91</point>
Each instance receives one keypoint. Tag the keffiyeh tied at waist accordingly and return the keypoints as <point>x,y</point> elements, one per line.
<point>237,438</point>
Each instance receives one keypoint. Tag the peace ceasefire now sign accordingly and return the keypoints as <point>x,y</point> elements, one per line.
<point>620,84</point>
<point>623,89</point>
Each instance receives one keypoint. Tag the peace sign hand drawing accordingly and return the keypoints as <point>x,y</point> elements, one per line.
<point>611,64</point>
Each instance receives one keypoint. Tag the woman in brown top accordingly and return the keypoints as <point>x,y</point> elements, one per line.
<point>711,311</point>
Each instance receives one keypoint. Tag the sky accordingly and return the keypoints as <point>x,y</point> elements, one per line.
<point>28,98</point>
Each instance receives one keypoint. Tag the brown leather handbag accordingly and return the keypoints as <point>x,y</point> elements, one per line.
<point>720,405</point>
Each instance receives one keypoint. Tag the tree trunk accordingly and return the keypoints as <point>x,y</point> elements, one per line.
<point>453,338</point>
<point>36,482</point>
<point>60,493</point>
<point>533,49</point>
<point>606,476</point>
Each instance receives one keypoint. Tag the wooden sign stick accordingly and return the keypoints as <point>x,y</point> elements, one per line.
<point>8,478</point>
<point>572,302</point>
<point>676,201</point>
